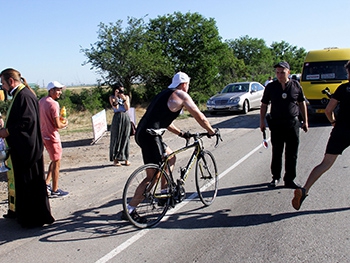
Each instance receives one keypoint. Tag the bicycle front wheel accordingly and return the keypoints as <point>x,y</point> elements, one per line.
<point>206,177</point>
<point>144,193</point>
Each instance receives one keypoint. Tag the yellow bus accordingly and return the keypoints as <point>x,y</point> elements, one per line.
<point>323,69</point>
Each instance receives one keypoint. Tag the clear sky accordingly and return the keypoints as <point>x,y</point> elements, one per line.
<point>42,38</point>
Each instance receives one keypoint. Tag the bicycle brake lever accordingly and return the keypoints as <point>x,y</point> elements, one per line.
<point>218,137</point>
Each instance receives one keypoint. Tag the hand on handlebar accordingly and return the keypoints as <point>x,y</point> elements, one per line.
<point>185,135</point>
<point>218,136</point>
<point>217,132</point>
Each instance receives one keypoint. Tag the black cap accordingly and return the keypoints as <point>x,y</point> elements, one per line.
<point>282,64</point>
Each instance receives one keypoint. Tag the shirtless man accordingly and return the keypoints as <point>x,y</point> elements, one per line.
<point>161,113</point>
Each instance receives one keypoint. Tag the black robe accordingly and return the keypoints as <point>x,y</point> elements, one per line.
<point>26,153</point>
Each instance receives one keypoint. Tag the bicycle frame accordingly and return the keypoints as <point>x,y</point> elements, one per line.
<point>165,166</point>
<point>152,190</point>
<point>184,172</point>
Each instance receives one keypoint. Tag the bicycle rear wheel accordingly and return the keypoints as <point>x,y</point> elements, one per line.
<point>151,204</point>
<point>206,177</point>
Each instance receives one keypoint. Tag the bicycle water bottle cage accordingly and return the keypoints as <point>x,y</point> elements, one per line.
<point>155,132</point>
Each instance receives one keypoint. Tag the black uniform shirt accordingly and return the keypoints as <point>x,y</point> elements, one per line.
<point>284,103</point>
<point>342,94</point>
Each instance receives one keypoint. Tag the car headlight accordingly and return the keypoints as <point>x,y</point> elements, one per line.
<point>234,100</point>
<point>210,102</point>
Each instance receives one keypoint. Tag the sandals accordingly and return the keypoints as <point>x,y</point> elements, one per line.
<point>116,163</point>
<point>299,197</point>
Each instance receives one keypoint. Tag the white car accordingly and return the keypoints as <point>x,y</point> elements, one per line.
<point>240,96</point>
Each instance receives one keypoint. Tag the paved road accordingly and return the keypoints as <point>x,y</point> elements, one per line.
<point>248,222</point>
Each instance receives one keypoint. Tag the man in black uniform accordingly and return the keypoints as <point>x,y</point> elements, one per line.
<point>338,141</point>
<point>161,113</point>
<point>287,101</point>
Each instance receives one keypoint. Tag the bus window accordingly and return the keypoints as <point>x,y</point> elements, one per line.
<point>320,71</point>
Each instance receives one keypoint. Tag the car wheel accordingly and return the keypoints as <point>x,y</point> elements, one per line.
<point>245,107</point>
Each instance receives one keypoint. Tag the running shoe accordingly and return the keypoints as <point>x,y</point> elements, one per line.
<point>135,216</point>
<point>299,197</point>
<point>59,193</point>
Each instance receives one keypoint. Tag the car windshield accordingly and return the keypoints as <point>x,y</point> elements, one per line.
<point>329,70</point>
<point>231,88</point>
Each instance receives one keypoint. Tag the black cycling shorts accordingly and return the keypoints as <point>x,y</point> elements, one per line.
<point>338,141</point>
<point>152,148</point>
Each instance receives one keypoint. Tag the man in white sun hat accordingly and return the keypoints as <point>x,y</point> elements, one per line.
<point>50,124</point>
<point>161,113</point>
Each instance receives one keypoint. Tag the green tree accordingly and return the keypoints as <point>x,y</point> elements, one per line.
<point>231,69</point>
<point>119,55</point>
<point>256,56</point>
<point>144,57</point>
<point>189,43</point>
<point>293,55</point>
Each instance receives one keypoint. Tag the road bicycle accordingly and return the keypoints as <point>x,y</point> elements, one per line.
<point>163,191</point>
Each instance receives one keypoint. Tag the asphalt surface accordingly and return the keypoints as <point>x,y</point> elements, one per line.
<point>248,222</point>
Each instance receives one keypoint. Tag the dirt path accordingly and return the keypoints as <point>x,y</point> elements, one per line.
<point>79,153</point>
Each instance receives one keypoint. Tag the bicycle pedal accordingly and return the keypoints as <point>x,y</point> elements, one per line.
<point>162,201</point>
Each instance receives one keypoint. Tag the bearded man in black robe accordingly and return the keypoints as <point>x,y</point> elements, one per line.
<point>23,137</point>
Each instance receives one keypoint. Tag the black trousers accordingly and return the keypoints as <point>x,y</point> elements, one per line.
<point>284,135</point>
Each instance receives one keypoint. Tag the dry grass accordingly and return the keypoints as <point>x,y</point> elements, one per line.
<point>81,121</point>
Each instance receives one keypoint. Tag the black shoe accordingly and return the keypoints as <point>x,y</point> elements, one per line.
<point>274,183</point>
<point>10,215</point>
<point>291,185</point>
<point>135,216</point>
<point>32,225</point>
<point>299,197</point>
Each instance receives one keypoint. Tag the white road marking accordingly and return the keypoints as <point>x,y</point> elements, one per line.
<point>143,232</point>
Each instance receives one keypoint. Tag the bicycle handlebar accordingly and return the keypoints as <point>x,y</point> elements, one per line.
<point>198,136</point>
<point>188,135</point>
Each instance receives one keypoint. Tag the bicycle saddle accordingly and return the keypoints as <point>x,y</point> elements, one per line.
<point>156,131</point>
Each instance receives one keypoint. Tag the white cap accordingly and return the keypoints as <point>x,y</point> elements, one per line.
<point>55,84</point>
<point>179,78</point>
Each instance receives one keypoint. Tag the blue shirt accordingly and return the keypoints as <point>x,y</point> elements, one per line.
<point>121,107</point>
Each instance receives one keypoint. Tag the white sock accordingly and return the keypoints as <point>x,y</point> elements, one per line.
<point>130,209</point>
